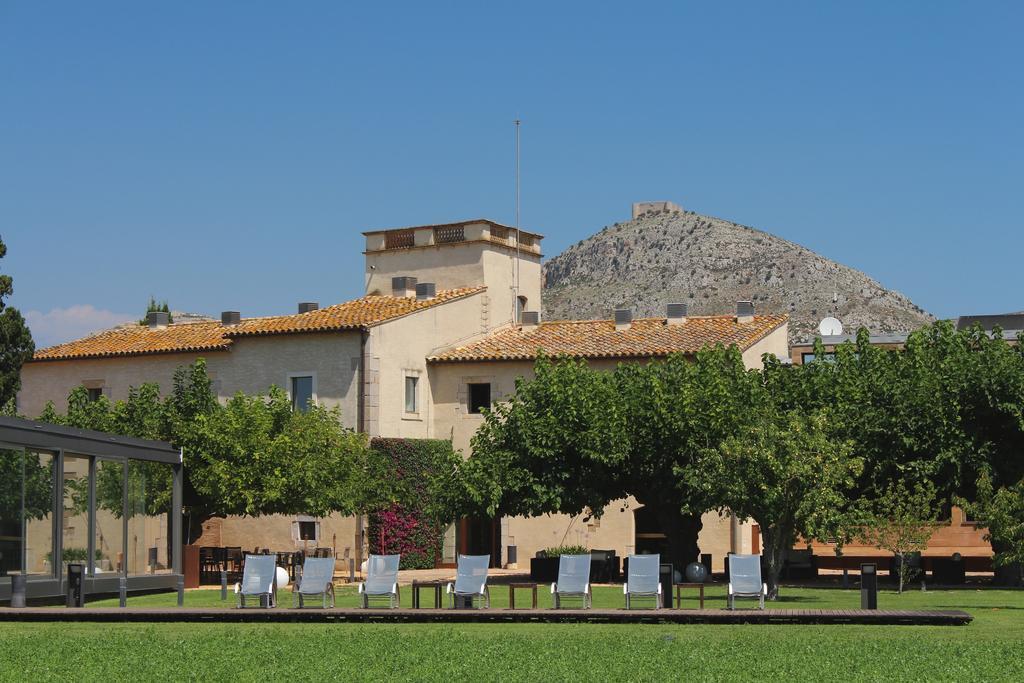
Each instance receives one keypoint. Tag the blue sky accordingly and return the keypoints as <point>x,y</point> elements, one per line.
<point>226,155</point>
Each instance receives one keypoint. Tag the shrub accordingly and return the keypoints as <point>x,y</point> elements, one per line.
<point>558,550</point>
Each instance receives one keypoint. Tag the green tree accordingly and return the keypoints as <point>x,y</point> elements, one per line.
<point>1001,513</point>
<point>573,439</point>
<point>554,446</point>
<point>16,345</point>
<point>790,475</point>
<point>155,306</point>
<point>674,410</point>
<point>902,521</point>
<point>252,456</point>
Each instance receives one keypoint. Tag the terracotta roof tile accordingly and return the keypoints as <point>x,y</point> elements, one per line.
<point>136,340</point>
<point>351,315</point>
<point>646,338</point>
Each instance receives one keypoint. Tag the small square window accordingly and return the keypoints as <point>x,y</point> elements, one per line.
<point>307,531</point>
<point>302,393</point>
<point>411,398</point>
<point>94,393</point>
<point>479,397</point>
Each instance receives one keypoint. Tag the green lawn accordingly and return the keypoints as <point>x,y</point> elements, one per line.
<point>991,648</point>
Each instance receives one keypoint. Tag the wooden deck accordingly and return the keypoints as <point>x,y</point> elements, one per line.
<point>601,616</point>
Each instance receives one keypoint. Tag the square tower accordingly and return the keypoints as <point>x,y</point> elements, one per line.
<point>456,255</point>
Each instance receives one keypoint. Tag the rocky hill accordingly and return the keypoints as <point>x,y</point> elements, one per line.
<point>710,264</point>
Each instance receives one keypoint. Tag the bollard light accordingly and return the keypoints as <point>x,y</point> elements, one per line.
<point>223,585</point>
<point>122,591</point>
<point>17,590</point>
<point>76,585</point>
<point>181,591</point>
<point>869,586</point>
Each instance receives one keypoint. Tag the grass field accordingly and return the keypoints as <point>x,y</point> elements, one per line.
<point>991,648</point>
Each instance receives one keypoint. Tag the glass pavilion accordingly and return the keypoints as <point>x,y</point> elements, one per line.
<point>112,503</point>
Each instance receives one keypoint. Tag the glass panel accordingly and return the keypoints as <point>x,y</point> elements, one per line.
<point>38,512</point>
<point>302,393</point>
<point>12,480</point>
<point>150,486</point>
<point>109,515</point>
<point>75,511</point>
<point>410,394</point>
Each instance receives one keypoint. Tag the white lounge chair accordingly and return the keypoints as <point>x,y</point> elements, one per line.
<point>642,581</point>
<point>745,579</point>
<point>573,580</point>
<point>259,580</point>
<point>317,579</point>
<point>471,580</point>
<point>381,580</point>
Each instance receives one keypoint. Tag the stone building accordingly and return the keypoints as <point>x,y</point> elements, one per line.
<point>448,322</point>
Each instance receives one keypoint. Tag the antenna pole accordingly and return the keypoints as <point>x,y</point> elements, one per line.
<point>515,302</point>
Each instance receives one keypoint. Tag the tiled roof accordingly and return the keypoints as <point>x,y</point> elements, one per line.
<point>646,338</point>
<point>351,315</point>
<point>136,340</point>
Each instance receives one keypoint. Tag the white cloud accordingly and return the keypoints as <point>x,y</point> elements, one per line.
<point>64,324</point>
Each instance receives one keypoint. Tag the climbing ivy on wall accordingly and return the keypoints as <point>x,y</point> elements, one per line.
<point>408,525</point>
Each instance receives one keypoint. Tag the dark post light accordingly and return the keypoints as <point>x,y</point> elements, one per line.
<point>76,587</point>
<point>869,586</point>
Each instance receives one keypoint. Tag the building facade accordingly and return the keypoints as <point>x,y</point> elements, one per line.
<point>450,319</point>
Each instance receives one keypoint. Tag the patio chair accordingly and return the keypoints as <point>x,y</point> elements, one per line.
<point>381,580</point>
<point>745,579</point>
<point>470,580</point>
<point>258,580</point>
<point>642,580</point>
<point>317,579</point>
<point>573,579</point>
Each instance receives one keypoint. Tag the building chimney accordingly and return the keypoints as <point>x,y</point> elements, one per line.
<point>530,319</point>
<point>158,320</point>
<point>426,290</point>
<point>623,318</point>
<point>308,306</point>
<point>744,312</point>
<point>404,286</point>
<point>676,314</point>
<point>230,318</point>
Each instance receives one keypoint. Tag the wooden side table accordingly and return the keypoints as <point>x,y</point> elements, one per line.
<point>512,593</point>
<point>417,585</point>
<point>679,597</point>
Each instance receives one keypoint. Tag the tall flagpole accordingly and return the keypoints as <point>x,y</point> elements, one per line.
<point>515,303</point>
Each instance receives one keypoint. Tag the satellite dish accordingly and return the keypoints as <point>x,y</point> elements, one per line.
<point>830,327</point>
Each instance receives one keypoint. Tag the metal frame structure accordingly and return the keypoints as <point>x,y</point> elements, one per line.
<point>60,442</point>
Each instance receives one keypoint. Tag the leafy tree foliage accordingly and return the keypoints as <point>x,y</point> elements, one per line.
<point>252,456</point>
<point>155,306</point>
<point>555,446</point>
<point>16,345</point>
<point>574,439</point>
<point>1001,512</point>
<point>790,475</point>
<point>902,522</point>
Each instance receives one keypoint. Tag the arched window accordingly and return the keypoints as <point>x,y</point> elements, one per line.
<point>520,307</point>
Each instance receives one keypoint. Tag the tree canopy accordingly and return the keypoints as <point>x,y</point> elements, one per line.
<point>790,475</point>
<point>252,456</point>
<point>840,430</point>
<point>16,345</point>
